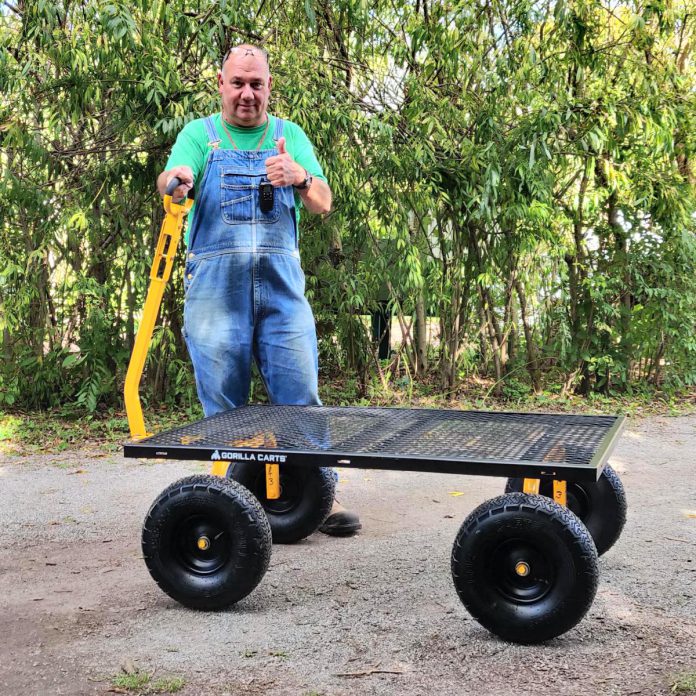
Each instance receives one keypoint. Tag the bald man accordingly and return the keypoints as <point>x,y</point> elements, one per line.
<point>244,286</point>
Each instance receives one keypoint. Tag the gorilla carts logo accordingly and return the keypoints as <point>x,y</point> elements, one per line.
<point>267,457</point>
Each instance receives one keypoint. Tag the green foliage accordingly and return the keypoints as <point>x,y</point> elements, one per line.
<point>142,683</point>
<point>684,684</point>
<point>522,174</point>
<point>131,682</point>
<point>60,429</point>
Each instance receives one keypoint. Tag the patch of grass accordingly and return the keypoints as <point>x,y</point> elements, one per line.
<point>141,683</point>
<point>60,429</point>
<point>8,427</point>
<point>169,685</point>
<point>685,684</point>
<point>131,682</point>
<point>477,393</point>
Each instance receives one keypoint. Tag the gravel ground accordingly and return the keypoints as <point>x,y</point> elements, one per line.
<point>374,614</point>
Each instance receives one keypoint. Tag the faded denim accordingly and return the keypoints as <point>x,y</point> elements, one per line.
<point>244,289</point>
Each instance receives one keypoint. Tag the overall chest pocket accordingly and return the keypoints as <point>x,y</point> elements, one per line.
<point>239,198</point>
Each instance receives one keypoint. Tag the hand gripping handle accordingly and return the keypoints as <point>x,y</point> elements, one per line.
<point>172,185</point>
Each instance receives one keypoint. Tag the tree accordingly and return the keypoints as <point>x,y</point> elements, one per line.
<point>521,173</point>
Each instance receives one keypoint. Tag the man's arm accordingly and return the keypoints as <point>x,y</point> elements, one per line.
<point>282,170</point>
<point>317,198</point>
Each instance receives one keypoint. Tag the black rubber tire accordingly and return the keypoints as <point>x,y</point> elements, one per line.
<point>232,520</point>
<point>562,566</point>
<point>306,497</point>
<point>601,506</point>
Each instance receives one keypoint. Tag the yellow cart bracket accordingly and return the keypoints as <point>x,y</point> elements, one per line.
<point>272,477</point>
<point>161,270</point>
<point>261,439</point>
<point>531,486</point>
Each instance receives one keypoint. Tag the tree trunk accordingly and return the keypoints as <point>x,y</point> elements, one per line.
<point>580,304</point>
<point>421,334</point>
<point>530,346</point>
<point>420,363</point>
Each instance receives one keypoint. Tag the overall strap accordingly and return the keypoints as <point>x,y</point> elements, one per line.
<point>278,131</point>
<point>213,137</point>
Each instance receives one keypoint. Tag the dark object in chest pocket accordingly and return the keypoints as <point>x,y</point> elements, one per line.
<point>241,203</point>
<point>266,196</point>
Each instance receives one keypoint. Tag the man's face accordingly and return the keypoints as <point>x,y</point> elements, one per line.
<point>245,86</point>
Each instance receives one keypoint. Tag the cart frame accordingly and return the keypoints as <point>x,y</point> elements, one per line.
<point>524,564</point>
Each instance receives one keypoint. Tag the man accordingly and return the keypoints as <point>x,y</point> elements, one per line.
<point>244,287</point>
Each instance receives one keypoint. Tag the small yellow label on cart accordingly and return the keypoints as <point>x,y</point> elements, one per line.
<point>272,481</point>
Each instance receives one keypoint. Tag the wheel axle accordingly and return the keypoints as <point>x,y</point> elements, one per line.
<point>522,569</point>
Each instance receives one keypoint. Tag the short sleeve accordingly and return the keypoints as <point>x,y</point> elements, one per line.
<point>190,149</point>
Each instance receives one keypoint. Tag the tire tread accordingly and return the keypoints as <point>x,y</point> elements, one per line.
<point>606,520</point>
<point>239,497</point>
<point>571,529</point>
<point>291,528</point>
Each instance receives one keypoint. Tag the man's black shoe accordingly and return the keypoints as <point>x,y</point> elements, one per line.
<point>341,523</point>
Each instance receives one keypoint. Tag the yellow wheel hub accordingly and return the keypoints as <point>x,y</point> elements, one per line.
<point>203,543</point>
<point>522,569</point>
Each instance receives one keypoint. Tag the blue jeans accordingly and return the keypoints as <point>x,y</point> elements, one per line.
<point>244,289</point>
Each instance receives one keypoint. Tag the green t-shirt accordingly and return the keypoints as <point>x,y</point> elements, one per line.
<point>191,149</point>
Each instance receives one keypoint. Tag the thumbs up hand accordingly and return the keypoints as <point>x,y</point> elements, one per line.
<point>281,169</point>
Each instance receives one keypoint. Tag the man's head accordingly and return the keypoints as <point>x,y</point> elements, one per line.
<point>244,82</point>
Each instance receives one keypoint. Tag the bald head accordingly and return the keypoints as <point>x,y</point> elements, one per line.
<point>243,50</point>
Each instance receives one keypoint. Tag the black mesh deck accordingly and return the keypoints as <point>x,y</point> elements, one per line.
<point>409,439</point>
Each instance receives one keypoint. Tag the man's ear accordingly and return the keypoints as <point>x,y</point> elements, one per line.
<point>270,82</point>
<point>219,81</point>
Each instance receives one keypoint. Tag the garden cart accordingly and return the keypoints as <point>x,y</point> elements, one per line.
<point>524,563</point>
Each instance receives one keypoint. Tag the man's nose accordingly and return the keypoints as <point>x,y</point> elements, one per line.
<point>247,92</point>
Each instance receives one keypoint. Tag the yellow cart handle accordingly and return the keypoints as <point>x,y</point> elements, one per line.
<point>161,270</point>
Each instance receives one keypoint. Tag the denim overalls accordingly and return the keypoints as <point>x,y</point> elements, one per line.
<point>244,287</point>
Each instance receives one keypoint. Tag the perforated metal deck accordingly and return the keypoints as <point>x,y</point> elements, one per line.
<point>462,442</point>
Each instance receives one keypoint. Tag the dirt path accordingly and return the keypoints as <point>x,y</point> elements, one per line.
<point>376,614</point>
